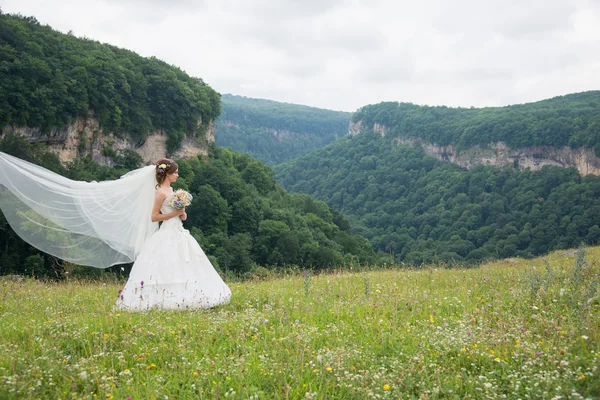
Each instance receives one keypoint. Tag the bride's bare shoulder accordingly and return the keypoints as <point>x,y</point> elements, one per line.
<point>161,194</point>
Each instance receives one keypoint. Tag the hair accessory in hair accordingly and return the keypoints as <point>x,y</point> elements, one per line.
<point>162,168</point>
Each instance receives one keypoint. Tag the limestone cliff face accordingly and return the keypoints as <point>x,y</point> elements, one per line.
<point>86,137</point>
<point>498,154</point>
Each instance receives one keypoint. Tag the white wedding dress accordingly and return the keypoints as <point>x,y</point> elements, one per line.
<point>172,272</point>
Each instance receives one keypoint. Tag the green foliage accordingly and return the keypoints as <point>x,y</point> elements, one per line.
<point>572,120</point>
<point>276,132</point>
<point>129,159</point>
<point>243,218</point>
<point>47,79</point>
<point>420,210</point>
<point>240,217</point>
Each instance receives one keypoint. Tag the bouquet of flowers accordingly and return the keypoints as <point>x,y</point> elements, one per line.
<point>180,199</point>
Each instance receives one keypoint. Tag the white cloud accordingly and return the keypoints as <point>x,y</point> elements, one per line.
<point>344,54</point>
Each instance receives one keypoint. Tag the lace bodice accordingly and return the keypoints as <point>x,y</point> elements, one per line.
<point>165,209</point>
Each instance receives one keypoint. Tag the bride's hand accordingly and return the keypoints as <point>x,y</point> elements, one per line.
<point>183,216</point>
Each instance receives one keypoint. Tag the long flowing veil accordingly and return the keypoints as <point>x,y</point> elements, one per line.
<point>87,223</point>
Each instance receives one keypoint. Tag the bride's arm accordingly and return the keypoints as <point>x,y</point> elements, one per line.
<point>159,198</point>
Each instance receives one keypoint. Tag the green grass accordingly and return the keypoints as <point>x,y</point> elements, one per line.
<point>510,329</point>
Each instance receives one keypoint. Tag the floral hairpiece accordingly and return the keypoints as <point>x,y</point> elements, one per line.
<point>162,168</point>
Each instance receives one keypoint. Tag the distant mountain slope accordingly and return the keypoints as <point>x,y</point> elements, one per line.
<point>275,132</point>
<point>422,210</point>
<point>572,120</point>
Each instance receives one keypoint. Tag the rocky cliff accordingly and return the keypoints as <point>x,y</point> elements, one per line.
<point>498,154</point>
<point>86,137</point>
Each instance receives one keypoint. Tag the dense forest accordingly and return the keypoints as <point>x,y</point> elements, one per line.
<point>421,210</point>
<point>240,216</point>
<point>572,120</point>
<point>274,132</point>
<point>48,78</point>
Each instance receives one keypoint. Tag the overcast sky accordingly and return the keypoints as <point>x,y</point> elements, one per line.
<point>341,55</point>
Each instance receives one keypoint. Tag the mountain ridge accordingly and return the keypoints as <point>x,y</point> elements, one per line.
<point>562,131</point>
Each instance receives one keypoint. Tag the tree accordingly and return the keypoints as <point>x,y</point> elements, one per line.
<point>209,210</point>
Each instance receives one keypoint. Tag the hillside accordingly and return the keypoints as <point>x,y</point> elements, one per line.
<point>421,210</point>
<point>84,97</point>
<point>275,132</point>
<point>572,120</point>
<point>514,329</point>
<point>563,131</point>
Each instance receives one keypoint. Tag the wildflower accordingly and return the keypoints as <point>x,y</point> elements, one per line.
<point>386,387</point>
<point>83,375</point>
<point>151,366</point>
<point>195,373</point>
<point>584,337</point>
<point>329,369</point>
<point>142,283</point>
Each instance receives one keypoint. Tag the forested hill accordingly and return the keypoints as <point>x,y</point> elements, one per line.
<point>423,210</point>
<point>240,216</point>
<point>572,120</point>
<point>275,132</point>
<point>47,79</point>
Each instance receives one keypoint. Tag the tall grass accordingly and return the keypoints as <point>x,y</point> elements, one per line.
<point>510,329</point>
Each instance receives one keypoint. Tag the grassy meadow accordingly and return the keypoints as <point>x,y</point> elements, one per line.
<point>527,329</point>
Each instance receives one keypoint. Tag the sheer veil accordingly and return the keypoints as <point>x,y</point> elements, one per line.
<point>98,224</point>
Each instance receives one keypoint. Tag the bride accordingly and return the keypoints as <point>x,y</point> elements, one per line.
<point>105,223</point>
<point>171,271</point>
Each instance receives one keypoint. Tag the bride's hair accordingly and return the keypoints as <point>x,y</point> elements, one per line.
<point>164,166</point>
